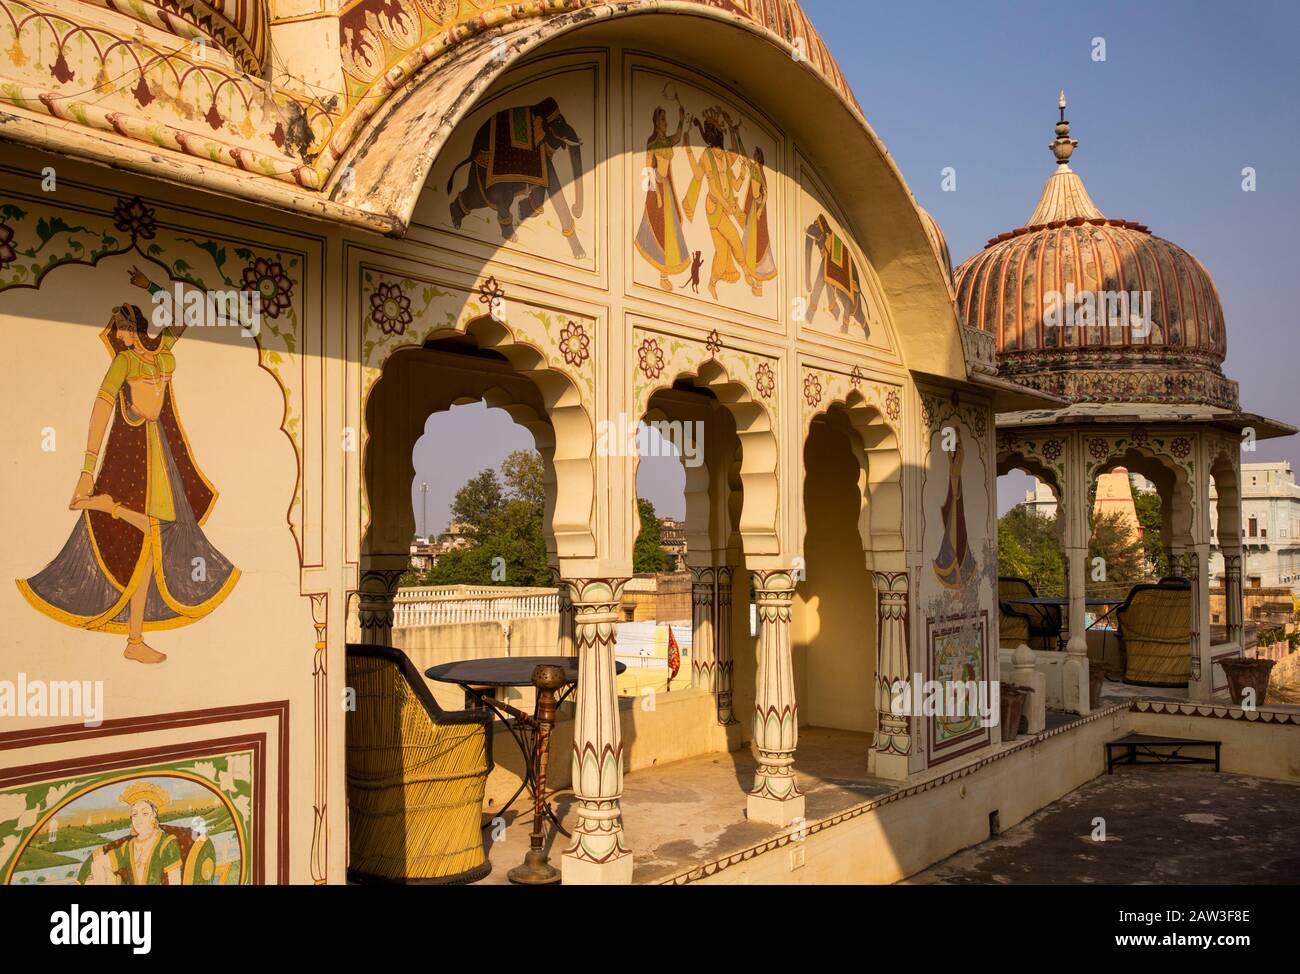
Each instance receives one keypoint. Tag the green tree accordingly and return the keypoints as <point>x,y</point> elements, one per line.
<point>508,544</point>
<point>1123,561</point>
<point>1029,548</point>
<point>478,501</point>
<point>1149,516</point>
<point>649,555</point>
<point>525,477</point>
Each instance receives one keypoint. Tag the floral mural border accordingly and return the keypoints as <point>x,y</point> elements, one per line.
<point>659,358</point>
<point>820,388</point>
<point>403,311</point>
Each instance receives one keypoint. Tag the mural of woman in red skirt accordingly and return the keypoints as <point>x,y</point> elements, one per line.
<point>137,559</point>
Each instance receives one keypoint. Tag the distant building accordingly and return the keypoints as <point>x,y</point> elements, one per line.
<point>1115,491</point>
<point>425,553</point>
<point>672,538</point>
<point>1270,527</point>
<point>1115,497</point>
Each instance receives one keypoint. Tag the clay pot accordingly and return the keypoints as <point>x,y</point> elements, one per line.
<point>1247,673</point>
<point>1096,677</point>
<point>1011,700</point>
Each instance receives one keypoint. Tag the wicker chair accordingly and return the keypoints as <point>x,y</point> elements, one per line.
<point>1155,631</point>
<point>1038,627</point>
<point>416,776</point>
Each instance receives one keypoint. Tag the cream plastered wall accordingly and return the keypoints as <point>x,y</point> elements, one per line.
<point>279,428</point>
<point>243,711</point>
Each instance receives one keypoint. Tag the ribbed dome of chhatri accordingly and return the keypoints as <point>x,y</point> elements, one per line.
<point>1094,309</point>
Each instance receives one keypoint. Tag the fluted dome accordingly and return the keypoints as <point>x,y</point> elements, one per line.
<point>1093,309</point>
<point>239,27</point>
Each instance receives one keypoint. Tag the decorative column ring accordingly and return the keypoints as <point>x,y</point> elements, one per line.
<point>703,659</point>
<point>598,854</point>
<point>775,798</point>
<point>375,598</point>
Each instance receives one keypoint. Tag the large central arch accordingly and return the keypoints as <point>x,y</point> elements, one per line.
<point>384,165</point>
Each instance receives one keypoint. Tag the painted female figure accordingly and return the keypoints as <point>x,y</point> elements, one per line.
<point>954,564</point>
<point>660,238</point>
<point>137,559</point>
<point>759,264</point>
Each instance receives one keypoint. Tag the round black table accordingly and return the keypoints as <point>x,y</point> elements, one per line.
<point>548,674</point>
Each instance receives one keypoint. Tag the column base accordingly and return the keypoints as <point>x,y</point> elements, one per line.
<point>575,871</point>
<point>891,767</point>
<point>774,811</point>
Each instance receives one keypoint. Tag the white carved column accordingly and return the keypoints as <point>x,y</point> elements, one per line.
<point>703,659</point>
<point>1200,686</point>
<point>893,740</point>
<point>775,798</point>
<point>1074,671</point>
<point>1234,606</point>
<point>722,647</point>
<point>597,854</point>
<point>375,599</point>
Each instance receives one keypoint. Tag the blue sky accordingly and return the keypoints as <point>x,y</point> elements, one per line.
<point>1188,95</point>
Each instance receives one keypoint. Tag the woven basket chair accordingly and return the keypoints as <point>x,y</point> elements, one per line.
<point>1155,632</point>
<point>416,776</point>
<point>1038,627</point>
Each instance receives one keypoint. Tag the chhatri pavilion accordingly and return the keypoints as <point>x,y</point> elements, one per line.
<point>1143,378</point>
<point>251,246</point>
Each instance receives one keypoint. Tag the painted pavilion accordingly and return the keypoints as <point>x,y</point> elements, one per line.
<point>306,226</point>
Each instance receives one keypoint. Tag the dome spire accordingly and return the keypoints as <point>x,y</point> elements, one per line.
<point>1064,146</point>
<point>1064,196</point>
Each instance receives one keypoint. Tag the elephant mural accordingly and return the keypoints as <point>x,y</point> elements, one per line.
<point>513,158</point>
<point>838,272</point>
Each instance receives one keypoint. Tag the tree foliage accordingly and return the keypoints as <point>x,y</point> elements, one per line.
<point>1030,547</point>
<point>649,555</point>
<point>504,525</point>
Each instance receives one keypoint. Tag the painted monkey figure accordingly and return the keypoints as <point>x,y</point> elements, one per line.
<point>512,158</point>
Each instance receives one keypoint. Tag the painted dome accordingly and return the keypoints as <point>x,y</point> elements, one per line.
<point>241,28</point>
<point>1095,309</point>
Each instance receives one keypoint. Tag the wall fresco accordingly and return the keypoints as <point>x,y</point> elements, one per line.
<point>706,210</point>
<point>179,823</point>
<point>518,173</point>
<point>958,578</point>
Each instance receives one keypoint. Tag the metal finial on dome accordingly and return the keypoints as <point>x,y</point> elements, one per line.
<point>1063,147</point>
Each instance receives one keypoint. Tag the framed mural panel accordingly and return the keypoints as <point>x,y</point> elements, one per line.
<point>957,652</point>
<point>185,813</point>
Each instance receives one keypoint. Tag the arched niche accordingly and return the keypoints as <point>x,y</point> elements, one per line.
<point>482,363</point>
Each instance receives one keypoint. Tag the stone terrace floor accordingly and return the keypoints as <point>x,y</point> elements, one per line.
<point>682,814</point>
<point>1164,825</point>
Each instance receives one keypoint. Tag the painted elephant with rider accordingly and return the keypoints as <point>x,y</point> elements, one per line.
<point>837,274</point>
<point>512,159</point>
